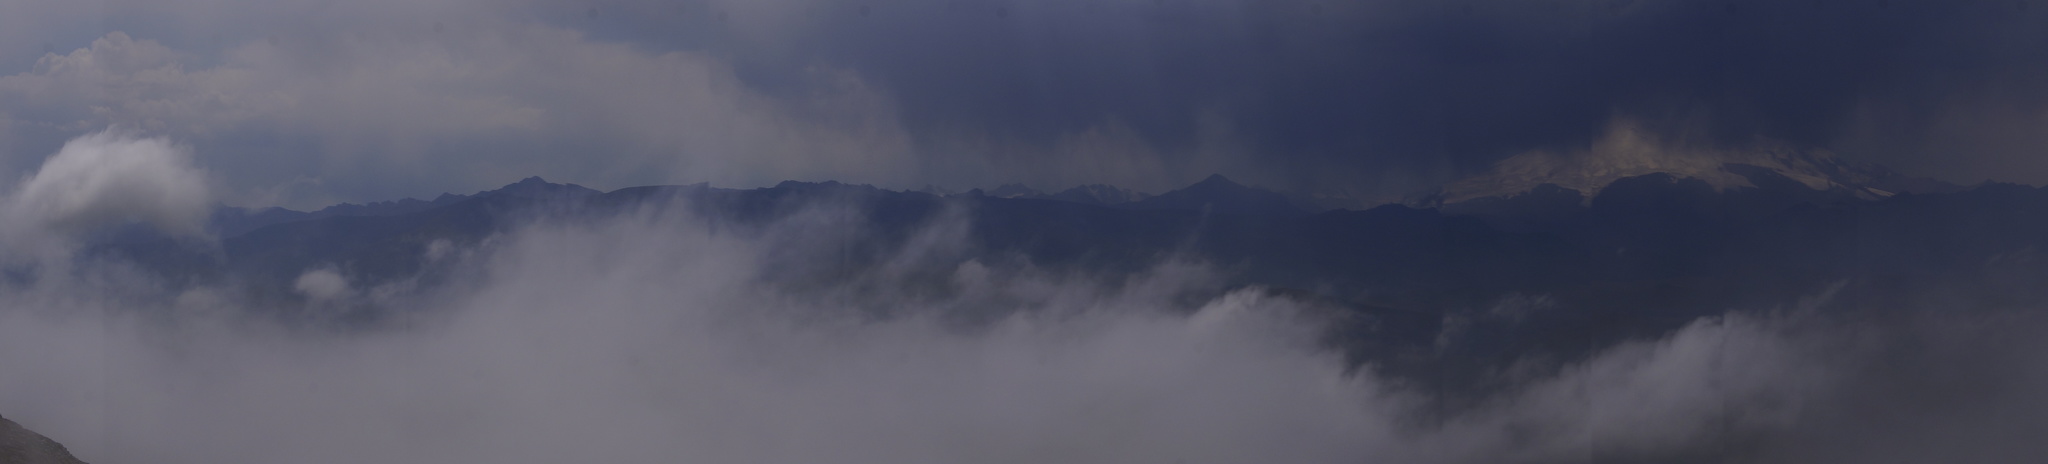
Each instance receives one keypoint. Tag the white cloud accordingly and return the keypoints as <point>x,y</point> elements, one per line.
<point>110,178</point>
<point>321,284</point>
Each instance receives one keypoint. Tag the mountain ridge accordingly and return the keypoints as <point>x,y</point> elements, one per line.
<point>230,220</point>
<point>1621,155</point>
<point>1643,256</point>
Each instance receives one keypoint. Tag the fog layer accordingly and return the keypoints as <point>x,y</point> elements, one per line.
<point>654,337</point>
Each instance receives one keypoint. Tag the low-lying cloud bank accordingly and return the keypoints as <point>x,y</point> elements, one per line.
<point>653,337</point>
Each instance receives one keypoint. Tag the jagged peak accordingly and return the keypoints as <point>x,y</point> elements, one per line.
<point>536,186</point>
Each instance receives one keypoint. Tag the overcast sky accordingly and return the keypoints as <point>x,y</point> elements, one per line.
<point>304,102</point>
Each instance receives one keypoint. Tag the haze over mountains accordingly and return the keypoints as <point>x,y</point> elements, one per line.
<point>1473,309</point>
<point>1640,256</point>
<point>1464,295</point>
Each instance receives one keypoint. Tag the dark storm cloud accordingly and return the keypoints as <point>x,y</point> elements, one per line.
<point>1326,91</point>
<point>1375,98</point>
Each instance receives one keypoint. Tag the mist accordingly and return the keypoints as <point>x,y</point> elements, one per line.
<point>656,335</point>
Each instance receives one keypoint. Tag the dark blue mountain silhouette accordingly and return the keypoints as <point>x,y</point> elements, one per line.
<point>1098,194</point>
<point>1219,195</point>
<point>1644,256</point>
<point>232,221</point>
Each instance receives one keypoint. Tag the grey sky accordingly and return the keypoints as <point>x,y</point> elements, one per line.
<point>302,102</point>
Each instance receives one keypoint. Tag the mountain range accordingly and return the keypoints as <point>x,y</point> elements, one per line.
<point>1635,256</point>
<point>1532,258</point>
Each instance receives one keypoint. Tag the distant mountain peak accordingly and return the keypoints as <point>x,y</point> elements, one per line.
<point>1626,152</point>
<point>1219,194</point>
<point>538,187</point>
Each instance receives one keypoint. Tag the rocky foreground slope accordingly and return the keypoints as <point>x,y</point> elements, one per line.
<point>19,445</point>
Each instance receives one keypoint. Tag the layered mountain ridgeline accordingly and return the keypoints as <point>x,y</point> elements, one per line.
<point>1475,283</point>
<point>19,445</point>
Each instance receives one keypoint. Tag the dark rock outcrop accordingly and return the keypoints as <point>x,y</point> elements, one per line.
<point>19,445</point>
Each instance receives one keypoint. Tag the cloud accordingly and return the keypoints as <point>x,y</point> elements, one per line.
<point>321,284</point>
<point>465,110</point>
<point>387,99</point>
<point>650,337</point>
<point>1627,149</point>
<point>1696,392</point>
<point>653,336</point>
<point>110,178</point>
<point>1338,95</point>
<point>643,340</point>
<point>1987,131</point>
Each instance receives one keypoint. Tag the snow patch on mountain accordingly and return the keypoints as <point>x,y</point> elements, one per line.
<point>1627,151</point>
